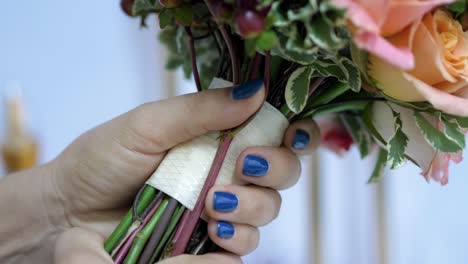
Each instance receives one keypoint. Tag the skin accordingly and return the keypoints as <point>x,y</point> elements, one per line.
<point>62,211</point>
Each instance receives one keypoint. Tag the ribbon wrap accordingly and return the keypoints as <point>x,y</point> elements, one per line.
<point>183,171</point>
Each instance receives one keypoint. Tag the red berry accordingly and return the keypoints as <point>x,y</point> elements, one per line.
<point>170,3</point>
<point>127,6</point>
<point>250,24</point>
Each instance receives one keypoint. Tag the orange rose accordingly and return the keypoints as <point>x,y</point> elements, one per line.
<point>440,76</point>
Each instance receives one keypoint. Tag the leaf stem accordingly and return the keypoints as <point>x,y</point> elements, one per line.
<point>236,75</point>
<point>193,58</point>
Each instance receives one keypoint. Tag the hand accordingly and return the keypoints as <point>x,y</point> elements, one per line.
<point>97,176</point>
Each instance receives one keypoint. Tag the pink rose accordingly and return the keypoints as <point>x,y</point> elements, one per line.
<point>371,21</point>
<point>440,75</point>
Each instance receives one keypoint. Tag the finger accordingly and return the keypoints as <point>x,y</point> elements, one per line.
<point>277,168</point>
<point>250,205</point>
<point>236,238</point>
<point>302,136</point>
<point>211,258</point>
<point>78,245</point>
<point>190,116</point>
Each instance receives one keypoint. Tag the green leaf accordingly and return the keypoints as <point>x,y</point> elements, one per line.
<point>166,18</point>
<point>336,108</point>
<point>379,167</point>
<point>297,89</point>
<point>359,57</point>
<point>458,7</point>
<point>434,137</point>
<point>397,144</point>
<point>356,128</point>
<point>328,68</point>
<point>453,131</point>
<point>354,76</point>
<point>367,117</point>
<point>183,14</point>
<point>267,40</point>
<point>333,91</point>
<point>293,55</point>
<point>462,121</point>
<point>142,7</point>
<point>323,34</point>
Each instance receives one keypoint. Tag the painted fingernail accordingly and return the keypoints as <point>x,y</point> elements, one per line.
<point>255,166</point>
<point>225,202</point>
<point>225,229</point>
<point>247,89</point>
<point>301,139</point>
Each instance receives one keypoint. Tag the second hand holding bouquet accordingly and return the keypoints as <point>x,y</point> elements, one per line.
<point>386,75</point>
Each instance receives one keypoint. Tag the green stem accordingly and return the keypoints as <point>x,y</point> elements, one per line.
<point>143,236</point>
<point>121,230</point>
<point>169,231</point>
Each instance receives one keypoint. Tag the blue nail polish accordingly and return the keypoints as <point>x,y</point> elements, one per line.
<point>247,89</point>
<point>225,230</point>
<point>301,139</point>
<point>225,202</point>
<point>255,166</point>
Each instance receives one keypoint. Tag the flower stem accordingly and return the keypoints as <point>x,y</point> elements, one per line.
<point>122,252</point>
<point>190,219</point>
<point>158,232</point>
<point>169,231</point>
<point>121,230</point>
<point>142,237</point>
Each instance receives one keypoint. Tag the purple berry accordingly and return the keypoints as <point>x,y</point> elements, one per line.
<point>127,6</point>
<point>250,24</point>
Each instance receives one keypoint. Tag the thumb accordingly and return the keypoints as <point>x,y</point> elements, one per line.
<point>164,124</point>
<point>78,245</point>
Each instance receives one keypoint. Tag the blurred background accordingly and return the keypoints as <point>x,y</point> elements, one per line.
<point>82,63</point>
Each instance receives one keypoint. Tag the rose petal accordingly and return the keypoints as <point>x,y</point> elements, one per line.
<point>404,12</point>
<point>358,15</point>
<point>429,65</point>
<point>391,81</point>
<point>448,103</point>
<point>377,45</point>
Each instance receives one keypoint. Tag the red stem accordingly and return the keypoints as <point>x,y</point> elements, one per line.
<point>120,257</point>
<point>190,218</point>
<point>236,72</point>
<point>193,58</point>
<point>267,73</point>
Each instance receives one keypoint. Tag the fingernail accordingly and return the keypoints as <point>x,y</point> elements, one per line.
<point>225,229</point>
<point>255,166</point>
<point>301,139</point>
<point>246,89</point>
<point>225,202</point>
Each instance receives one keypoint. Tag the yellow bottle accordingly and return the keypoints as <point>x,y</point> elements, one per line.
<point>20,147</point>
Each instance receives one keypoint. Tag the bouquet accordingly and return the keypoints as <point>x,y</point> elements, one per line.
<point>390,76</point>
